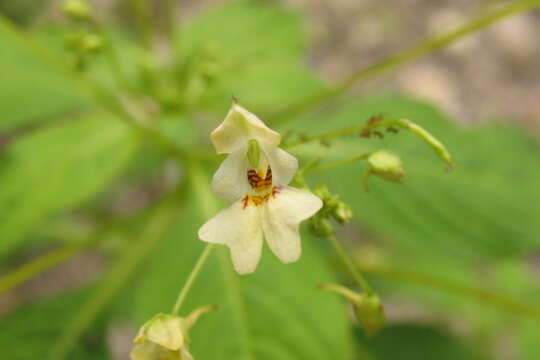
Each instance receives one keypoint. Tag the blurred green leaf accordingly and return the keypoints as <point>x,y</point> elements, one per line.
<point>475,210</point>
<point>22,11</point>
<point>413,342</point>
<point>257,52</point>
<point>57,168</point>
<point>32,89</point>
<point>28,332</point>
<point>276,313</point>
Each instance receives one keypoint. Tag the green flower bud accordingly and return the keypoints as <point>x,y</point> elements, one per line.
<point>161,337</point>
<point>367,307</point>
<point>322,191</point>
<point>386,165</point>
<point>321,226</point>
<point>92,43</point>
<point>342,213</point>
<point>77,9</point>
<point>165,337</point>
<point>332,208</point>
<point>369,313</point>
<point>254,153</point>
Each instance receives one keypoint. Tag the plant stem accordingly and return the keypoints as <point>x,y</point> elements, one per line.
<point>101,96</point>
<point>208,205</point>
<point>171,19</point>
<point>37,266</point>
<point>143,16</point>
<point>111,56</point>
<point>339,163</point>
<point>402,58</point>
<point>349,264</point>
<point>61,254</point>
<point>352,130</point>
<point>391,124</point>
<point>113,281</point>
<point>449,286</point>
<point>191,278</point>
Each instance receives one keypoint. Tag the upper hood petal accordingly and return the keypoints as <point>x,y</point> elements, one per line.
<point>238,128</point>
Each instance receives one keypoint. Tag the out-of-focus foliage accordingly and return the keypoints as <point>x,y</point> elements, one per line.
<point>272,314</point>
<point>477,225</point>
<point>231,47</point>
<point>22,11</point>
<point>32,89</point>
<point>55,169</point>
<point>410,341</point>
<point>30,330</point>
<point>470,212</point>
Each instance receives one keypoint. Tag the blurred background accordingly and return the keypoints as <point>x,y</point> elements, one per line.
<point>454,255</point>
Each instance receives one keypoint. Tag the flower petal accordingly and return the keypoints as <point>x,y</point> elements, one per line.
<point>230,180</point>
<point>150,351</point>
<point>281,217</point>
<point>238,128</point>
<point>240,229</point>
<point>283,164</point>
<point>185,354</point>
<point>166,330</point>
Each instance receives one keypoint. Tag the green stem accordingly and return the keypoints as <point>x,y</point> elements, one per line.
<point>348,131</point>
<point>337,163</point>
<point>143,17</point>
<point>171,19</point>
<point>112,282</point>
<point>112,57</point>
<point>208,205</point>
<point>58,256</point>
<point>191,278</point>
<point>439,149</point>
<point>349,264</point>
<point>402,58</point>
<point>101,96</point>
<point>37,266</point>
<point>449,286</point>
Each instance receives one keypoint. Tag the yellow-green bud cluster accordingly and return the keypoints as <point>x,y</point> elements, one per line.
<point>77,9</point>
<point>333,208</point>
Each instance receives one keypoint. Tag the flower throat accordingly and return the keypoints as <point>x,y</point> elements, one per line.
<point>262,186</point>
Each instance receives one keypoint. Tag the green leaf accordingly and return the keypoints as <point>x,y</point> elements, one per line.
<point>276,313</point>
<point>58,168</point>
<point>259,54</point>
<point>412,342</point>
<point>476,210</point>
<point>32,88</point>
<point>27,333</point>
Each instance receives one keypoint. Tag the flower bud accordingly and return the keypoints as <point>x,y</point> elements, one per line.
<point>386,165</point>
<point>161,337</point>
<point>343,213</point>
<point>333,208</point>
<point>367,307</point>
<point>92,43</point>
<point>321,226</point>
<point>369,313</point>
<point>165,337</point>
<point>77,9</point>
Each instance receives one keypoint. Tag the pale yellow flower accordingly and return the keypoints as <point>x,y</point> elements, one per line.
<point>263,204</point>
